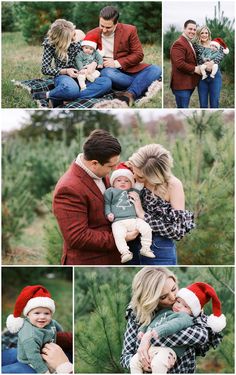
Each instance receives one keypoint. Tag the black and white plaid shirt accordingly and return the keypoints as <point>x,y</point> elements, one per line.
<point>199,338</point>
<point>163,219</point>
<point>49,54</point>
<point>199,50</point>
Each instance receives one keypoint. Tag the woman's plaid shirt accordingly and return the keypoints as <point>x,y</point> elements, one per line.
<point>163,219</point>
<point>199,338</point>
<point>49,54</point>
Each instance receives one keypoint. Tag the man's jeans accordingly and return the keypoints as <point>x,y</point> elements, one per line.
<point>67,88</point>
<point>136,83</point>
<point>10,364</point>
<point>182,97</point>
<point>209,90</point>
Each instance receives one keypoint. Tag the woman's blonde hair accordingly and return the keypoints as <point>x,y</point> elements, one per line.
<point>198,33</point>
<point>147,287</point>
<point>60,35</point>
<point>155,163</point>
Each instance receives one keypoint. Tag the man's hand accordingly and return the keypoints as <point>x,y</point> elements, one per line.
<point>197,70</point>
<point>108,63</point>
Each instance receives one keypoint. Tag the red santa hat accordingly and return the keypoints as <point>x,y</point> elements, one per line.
<point>31,297</point>
<point>90,40</point>
<point>122,170</point>
<point>219,42</point>
<point>196,296</point>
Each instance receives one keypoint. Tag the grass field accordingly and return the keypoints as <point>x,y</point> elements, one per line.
<point>226,97</point>
<point>21,61</point>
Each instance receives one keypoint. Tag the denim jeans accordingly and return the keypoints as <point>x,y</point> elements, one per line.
<point>163,248</point>
<point>182,97</point>
<point>136,83</point>
<point>67,88</point>
<point>10,364</point>
<point>209,91</point>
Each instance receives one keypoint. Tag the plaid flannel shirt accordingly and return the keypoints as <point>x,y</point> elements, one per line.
<point>49,54</point>
<point>163,219</point>
<point>199,338</point>
<point>199,50</point>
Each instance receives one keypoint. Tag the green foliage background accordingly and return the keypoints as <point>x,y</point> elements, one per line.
<point>34,18</point>
<point>37,155</point>
<point>101,298</point>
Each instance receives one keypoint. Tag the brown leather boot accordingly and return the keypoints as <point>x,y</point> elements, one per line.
<point>125,96</point>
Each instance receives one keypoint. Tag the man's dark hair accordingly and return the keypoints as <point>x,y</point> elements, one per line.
<point>101,146</point>
<point>109,13</point>
<point>189,21</point>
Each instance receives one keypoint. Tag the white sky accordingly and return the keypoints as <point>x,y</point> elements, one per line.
<point>14,118</point>
<point>177,12</point>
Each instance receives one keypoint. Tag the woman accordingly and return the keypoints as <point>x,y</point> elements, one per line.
<point>209,88</point>
<point>162,203</point>
<point>62,45</point>
<point>152,289</point>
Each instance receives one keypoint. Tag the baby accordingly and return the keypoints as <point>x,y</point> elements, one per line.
<point>37,328</point>
<point>120,210</point>
<point>85,57</point>
<point>211,54</point>
<point>188,305</point>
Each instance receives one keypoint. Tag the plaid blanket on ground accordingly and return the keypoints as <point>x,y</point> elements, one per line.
<point>47,84</point>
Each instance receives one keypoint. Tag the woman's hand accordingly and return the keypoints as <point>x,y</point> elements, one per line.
<point>53,355</point>
<point>143,350</point>
<point>91,67</point>
<point>209,65</point>
<point>137,204</point>
<point>71,72</point>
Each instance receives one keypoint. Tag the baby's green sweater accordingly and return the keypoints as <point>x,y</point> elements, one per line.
<point>31,339</point>
<point>118,202</point>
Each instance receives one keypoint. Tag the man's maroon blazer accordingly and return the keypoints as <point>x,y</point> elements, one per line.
<point>127,47</point>
<point>183,60</point>
<point>78,205</point>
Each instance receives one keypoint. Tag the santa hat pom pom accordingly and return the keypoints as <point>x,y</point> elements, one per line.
<point>14,324</point>
<point>216,323</point>
<point>226,51</point>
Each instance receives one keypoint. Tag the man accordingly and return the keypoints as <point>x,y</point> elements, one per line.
<point>78,203</point>
<point>123,55</point>
<point>185,73</point>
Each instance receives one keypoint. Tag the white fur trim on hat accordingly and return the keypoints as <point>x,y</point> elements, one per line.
<point>14,324</point>
<point>89,43</point>
<point>33,303</point>
<point>216,323</point>
<point>226,51</point>
<point>122,172</point>
<point>191,299</point>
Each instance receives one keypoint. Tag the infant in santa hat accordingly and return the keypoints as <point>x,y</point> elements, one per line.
<point>120,210</point>
<point>187,307</point>
<point>36,328</point>
<point>85,57</point>
<point>214,53</point>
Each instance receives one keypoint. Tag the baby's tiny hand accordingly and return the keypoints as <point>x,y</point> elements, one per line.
<point>111,217</point>
<point>154,334</point>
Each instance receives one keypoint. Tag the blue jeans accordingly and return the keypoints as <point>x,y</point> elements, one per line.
<point>67,88</point>
<point>182,97</point>
<point>209,90</point>
<point>10,364</point>
<point>163,248</point>
<point>136,83</point>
